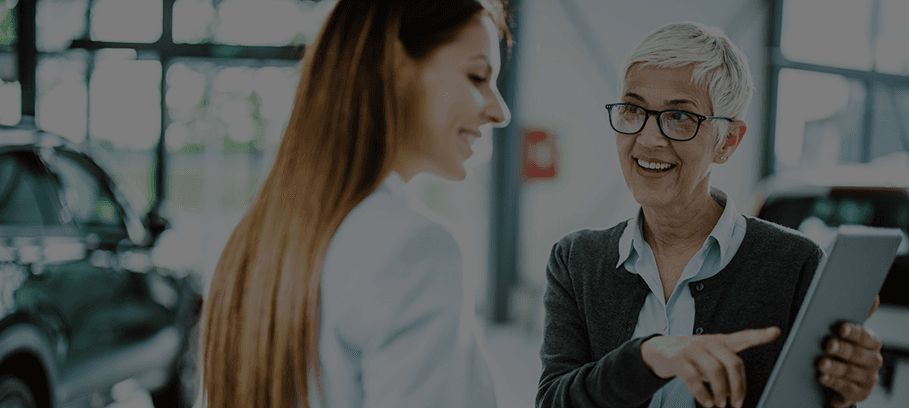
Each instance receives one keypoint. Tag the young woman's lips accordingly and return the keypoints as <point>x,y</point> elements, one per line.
<point>468,138</point>
<point>473,133</point>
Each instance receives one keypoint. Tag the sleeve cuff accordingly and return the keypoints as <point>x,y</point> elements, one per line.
<point>631,380</point>
<point>636,367</point>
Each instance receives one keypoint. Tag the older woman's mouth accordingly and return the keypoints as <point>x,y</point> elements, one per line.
<point>654,166</point>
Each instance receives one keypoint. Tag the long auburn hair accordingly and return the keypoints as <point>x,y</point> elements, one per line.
<point>261,318</point>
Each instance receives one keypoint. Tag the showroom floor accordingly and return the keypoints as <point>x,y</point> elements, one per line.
<point>516,366</point>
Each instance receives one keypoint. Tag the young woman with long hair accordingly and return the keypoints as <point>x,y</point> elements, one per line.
<point>333,290</point>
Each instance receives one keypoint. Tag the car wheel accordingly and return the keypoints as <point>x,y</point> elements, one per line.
<point>15,393</point>
<point>181,391</point>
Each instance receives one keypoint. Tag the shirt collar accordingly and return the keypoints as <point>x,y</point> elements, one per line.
<point>395,183</point>
<point>401,191</point>
<point>632,239</point>
<point>725,226</point>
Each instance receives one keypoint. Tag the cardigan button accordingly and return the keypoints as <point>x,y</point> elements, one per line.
<point>699,330</point>
<point>699,287</point>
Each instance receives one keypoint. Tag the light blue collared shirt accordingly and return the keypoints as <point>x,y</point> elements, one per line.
<point>676,317</point>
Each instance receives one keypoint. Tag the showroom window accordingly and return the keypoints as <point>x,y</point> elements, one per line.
<point>206,87</point>
<point>839,88</point>
<point>200,78</point>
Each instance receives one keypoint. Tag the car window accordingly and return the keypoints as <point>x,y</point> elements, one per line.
<point>818,217</point>
<point>91,204</point>
<point>22,194</point>
<point>7,173</point>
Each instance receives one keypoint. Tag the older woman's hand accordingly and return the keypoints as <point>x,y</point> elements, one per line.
<point>708,358</point>
<point>852,362</point>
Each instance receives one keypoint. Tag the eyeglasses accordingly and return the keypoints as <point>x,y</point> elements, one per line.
<point>675,124</point>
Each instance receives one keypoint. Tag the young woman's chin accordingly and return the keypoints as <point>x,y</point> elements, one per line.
<point>453,173</point>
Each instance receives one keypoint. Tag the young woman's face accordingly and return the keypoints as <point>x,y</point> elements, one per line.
<point>456,98</point>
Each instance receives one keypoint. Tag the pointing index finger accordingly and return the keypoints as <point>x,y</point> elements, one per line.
<point>745,339</point>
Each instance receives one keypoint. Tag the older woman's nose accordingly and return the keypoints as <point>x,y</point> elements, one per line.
<point>650,135</point>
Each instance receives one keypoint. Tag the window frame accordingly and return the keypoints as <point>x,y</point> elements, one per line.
<point>777,61</point>
<point>165,48</point>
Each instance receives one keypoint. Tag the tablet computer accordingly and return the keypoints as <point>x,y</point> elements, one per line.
<point>843,289</point>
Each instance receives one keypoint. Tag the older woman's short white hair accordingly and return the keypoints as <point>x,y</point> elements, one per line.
<point>716,62</point>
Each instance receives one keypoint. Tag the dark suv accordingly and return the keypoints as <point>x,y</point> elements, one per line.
<point>82,306</point>
<point>816,201</point>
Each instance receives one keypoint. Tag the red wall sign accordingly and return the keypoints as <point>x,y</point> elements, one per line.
<point>540,154</point>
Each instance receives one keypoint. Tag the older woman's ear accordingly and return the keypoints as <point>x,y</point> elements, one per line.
<point>733,138</point>
<point>736,132</point>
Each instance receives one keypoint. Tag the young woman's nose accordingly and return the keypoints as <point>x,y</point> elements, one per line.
<point>497,111</point>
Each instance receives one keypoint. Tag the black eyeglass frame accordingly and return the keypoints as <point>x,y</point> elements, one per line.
<point>648,112</point>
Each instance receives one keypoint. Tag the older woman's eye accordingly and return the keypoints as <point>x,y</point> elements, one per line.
<point>629,112</point>
<point>682,124</point>
<point>676,116</point>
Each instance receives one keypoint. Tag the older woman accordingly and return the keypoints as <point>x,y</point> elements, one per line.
<point>681,304</point>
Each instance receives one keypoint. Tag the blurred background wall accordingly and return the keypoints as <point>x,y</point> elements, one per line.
<point>205,87</point>
<point>214,80</point>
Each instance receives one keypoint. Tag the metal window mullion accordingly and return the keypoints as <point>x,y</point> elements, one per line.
<point>166,40</point>
<point>769,153</point>
<point>774,34</point>
<point>89,71</point>
<point>506,192</point>
<point>887,79</point>
<point>202,50</point>
<point>867,137</point>
<point>88,20</point>
<point>875,31</point>
<point>27,50</point>
<point>161,149</point>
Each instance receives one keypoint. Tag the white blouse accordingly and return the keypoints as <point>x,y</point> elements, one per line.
<point>396,328</point>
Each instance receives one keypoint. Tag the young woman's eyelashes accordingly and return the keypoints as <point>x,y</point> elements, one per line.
<point>478,79</point>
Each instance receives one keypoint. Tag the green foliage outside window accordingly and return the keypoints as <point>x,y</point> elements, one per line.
<point>7,26</point>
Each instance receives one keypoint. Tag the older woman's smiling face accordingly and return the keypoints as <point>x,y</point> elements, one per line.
<point>662,173</point>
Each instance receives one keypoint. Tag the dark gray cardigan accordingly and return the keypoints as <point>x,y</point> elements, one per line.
<point>592,307</point>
